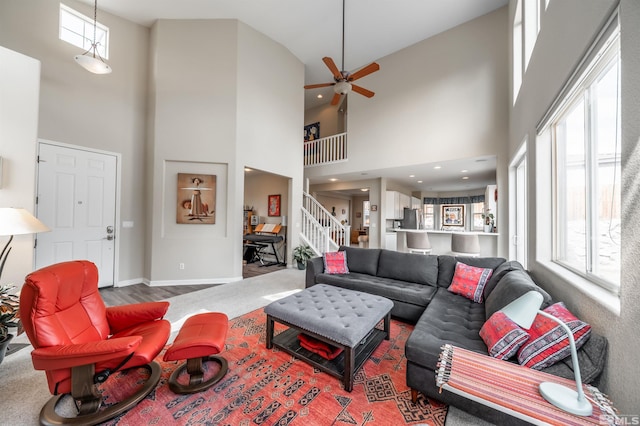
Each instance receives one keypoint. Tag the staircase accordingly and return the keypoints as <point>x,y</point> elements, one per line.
<point>320,229</point>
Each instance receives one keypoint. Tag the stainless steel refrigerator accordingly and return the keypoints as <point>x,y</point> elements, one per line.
<point>412,219</point>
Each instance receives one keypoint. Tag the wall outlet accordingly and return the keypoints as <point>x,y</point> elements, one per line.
<point>181,265</point>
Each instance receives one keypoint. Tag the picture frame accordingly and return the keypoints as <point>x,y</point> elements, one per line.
<point>453,215</point>
<point>312,131</point>
<point>374,207</point>
<point>273,205</point>
<point>196,200</point>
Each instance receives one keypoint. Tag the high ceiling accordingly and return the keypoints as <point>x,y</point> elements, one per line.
<point>312,29</point>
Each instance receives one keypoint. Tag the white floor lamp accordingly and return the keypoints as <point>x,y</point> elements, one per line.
<point>523,311</point>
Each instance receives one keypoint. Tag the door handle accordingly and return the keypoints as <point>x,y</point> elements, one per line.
<point>109,237</point>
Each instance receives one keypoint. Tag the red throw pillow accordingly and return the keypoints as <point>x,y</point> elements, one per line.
<point>335,262</point>
<point>549,342</point>
<point>502,336</point>
<point>469,281</point>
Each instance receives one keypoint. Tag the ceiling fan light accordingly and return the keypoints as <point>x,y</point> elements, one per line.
<point>93,63</point>
<point>342,87</point>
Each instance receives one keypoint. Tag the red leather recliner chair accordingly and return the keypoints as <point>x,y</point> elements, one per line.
<point>79,342</point>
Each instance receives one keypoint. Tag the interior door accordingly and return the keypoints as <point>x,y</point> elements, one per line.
<point>77,200</point>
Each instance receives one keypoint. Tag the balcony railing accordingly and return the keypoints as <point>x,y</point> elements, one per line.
<point>332,149</point>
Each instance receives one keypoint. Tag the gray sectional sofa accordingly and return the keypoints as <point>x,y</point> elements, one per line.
<point>417,285</point>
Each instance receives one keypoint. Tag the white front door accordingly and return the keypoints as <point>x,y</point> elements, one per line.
<point>77,200</point>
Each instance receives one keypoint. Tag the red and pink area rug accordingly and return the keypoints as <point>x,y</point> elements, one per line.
<point>269,387</point>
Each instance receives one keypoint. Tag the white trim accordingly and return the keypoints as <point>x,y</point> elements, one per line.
<point>116,254</point>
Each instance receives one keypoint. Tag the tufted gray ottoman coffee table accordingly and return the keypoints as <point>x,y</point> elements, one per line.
<point>337,316</point>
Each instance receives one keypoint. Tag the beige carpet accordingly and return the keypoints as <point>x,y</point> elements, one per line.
<point>25,390</point>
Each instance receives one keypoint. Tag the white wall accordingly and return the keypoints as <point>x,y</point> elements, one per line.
<point>567,29</point>
<point>19,90</point>
<point>216,112</point>
<point>105,112</point>
<point>441,99</point>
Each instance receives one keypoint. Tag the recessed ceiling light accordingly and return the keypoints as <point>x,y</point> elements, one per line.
<point>364,189</point>
<point>412,176</point>
<point>437,167</point>
<point>464,171</point>
<point>333,179</point>
<point>419,181</point>
<point>246,169</point>
<point>320,96</point>
<point>465,177</point>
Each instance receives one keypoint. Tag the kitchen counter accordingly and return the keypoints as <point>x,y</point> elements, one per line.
<point>441,240</point>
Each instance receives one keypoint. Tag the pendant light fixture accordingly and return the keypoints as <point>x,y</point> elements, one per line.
<point>91,59</point>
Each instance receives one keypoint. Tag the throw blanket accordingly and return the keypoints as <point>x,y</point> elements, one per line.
<point>513,388</point>
<point>318,347</point>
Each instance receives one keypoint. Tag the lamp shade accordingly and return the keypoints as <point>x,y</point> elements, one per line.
<point>18,222</point>
<point>524,309</point>
<point>92,63</point>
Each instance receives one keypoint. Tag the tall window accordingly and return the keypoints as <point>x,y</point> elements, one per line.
<point>428,211</point>
<point>477,211</point>
<point>587,149</point>
<point>366,214</point>
<point>77,29</point>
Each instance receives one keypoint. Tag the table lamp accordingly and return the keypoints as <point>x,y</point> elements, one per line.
<point>16,222</point>
<point>523,311</point>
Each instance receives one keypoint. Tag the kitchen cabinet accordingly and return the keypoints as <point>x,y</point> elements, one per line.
<point>391,241</point>
<point>416,203</point>
<point>396,203</point>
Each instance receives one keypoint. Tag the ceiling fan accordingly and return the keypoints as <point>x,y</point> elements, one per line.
<point>342,83</point>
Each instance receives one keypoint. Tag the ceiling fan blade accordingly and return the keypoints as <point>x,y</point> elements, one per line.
<point>337,75</point>
<point>373,67</point>
<point>315,86</point>
<point>335,99</point>
<point>362,91</point>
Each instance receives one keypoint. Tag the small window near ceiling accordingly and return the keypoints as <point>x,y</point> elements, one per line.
<point>77,29</point>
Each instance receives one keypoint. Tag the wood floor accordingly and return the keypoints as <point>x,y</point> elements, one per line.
<point>137,293</point>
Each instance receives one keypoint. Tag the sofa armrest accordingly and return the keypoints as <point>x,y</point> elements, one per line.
<point>315,266</point>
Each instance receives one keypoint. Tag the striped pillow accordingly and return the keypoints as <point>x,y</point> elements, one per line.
<point>469,281</point>
<point>335,262</point>
<point>549,342</point>
<point>502,336</point>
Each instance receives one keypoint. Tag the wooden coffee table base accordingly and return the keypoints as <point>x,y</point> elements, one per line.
<point>344,366</point>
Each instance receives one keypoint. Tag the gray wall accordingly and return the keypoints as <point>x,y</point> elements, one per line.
<point>567,29</point>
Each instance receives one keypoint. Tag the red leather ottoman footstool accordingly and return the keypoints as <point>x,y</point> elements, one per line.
<point>200,339</point>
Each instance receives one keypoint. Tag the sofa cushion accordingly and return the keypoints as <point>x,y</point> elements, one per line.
<point>335,262</point>
<point>502,336</point>
<point>417,294</point>
<point>413,268</point>
<point>447,266</point>
<point>362,260</point>
<point>449,318</point>
<point>501,271</point>
<point>592,358</point>
<point>549,342</point>
<point>513,285</point>
<point>469,281</point>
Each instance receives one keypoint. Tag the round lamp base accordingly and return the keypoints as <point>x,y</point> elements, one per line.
<point>566,399</point>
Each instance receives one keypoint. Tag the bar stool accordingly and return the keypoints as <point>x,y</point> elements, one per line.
<point>418,242</point>
<point>465,245</point>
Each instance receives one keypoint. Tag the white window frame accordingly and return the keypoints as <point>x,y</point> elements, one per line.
<point>595,62</point>
<point>85,34</point>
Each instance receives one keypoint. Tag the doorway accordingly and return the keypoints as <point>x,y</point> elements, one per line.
<point>77,199</point>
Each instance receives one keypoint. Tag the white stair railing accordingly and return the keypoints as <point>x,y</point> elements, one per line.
<point>320,229</point>
<point>332,149</point>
